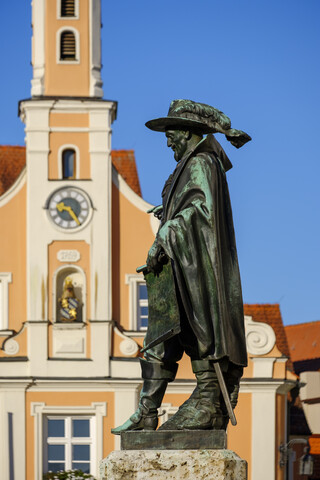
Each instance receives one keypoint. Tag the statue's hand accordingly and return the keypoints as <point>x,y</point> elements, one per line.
<point>153,258</point>
<point>157,211</point>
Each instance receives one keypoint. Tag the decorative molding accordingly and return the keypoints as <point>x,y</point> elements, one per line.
<point>38,47</point>
<point>69,345</point>
<point>125,369</point>
<point>128,346</point>
<point>6,333</point>
<point>263,367</point>
<point>68,255</point>
<point>260,337</point>
<point>11,347</point>
<point>68,326</point>
<point>72,129</point>
<point>95,48</point>
<point>83,385</point>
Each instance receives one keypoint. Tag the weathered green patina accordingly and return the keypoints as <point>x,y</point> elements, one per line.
<point>163,312</point>
<point>195,299</point>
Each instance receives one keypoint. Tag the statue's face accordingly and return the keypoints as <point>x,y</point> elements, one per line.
<point>178,141</point>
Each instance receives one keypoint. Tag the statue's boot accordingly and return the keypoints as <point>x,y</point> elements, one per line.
<point>206,413</point>
<point>156,377</point>
<point>176,422</point>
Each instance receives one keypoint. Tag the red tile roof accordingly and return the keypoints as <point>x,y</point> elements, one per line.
<point>270,314</point>
<point>124,161</point>
<point>314,441</point>
<point>304,341</point>
<point>13,159</point>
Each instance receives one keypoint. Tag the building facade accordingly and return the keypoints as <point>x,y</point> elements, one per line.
<point>73,310</point>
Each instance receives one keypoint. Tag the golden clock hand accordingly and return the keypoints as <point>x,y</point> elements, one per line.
<point>61,207</point>
<point>73,215</point>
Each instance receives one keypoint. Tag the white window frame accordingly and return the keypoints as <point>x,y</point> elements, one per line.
<point>58,45</point>
<point>132,280</point>
<point>76,11</point>
<point>5,279</point>
<point>40,411</point>
<point>69,146</point>
<point>68,441</point>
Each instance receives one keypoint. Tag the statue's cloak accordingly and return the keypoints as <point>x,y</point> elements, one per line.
<point>197,234</point>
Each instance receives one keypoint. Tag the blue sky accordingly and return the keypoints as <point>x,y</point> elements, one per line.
<point>257,61</point>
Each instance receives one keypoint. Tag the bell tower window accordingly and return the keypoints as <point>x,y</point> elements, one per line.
<point>68,8</point>
<point>68,46</point>
<point>68,164</point>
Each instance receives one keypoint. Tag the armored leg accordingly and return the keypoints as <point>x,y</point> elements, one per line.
<point>155,379</point>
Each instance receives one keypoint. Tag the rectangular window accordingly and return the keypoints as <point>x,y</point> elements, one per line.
<point>68,443</point>
<point>142,301</point>
<point>138,302</point>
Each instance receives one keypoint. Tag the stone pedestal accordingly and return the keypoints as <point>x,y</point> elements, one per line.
<point>173,465</point>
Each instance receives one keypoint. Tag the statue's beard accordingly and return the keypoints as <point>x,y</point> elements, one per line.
<point>177,156</point>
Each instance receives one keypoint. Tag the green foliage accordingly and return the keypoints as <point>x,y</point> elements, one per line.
<point>67,475</point>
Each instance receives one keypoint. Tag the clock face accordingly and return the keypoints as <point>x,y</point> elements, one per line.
<point>69,208</point>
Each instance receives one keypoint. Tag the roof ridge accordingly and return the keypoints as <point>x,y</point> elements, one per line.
<point>302,324</point>
<point>122,150</point>
<point>13,146</point>
<point>262,304</point>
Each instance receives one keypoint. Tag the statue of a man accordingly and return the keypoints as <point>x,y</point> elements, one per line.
<point>196,237</point>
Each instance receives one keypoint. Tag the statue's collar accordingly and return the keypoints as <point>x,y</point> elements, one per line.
<point>209,144</point>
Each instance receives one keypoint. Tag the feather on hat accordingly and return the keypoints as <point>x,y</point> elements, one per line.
<point>186,114</point>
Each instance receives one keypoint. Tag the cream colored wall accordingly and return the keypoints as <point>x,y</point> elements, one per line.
<point>13,255</point>
<point>62,78</point>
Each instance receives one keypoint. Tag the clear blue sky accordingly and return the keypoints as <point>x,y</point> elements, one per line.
<point>258,61</point>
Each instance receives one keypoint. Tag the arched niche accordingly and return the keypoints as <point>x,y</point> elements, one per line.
<point>75,275</point>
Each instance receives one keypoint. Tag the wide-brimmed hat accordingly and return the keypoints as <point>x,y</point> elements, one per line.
<point>189,115</point>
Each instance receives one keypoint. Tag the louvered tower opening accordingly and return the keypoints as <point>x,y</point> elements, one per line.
<point>67,8</point>
<point>68,46</point>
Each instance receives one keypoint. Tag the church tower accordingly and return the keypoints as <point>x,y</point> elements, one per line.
<point>68,156</point>
<point>66,48</point>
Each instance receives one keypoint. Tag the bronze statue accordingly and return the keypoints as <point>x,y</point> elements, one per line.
<point>193,264</point>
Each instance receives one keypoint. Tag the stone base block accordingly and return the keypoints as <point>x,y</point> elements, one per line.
<point>173,465</point>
